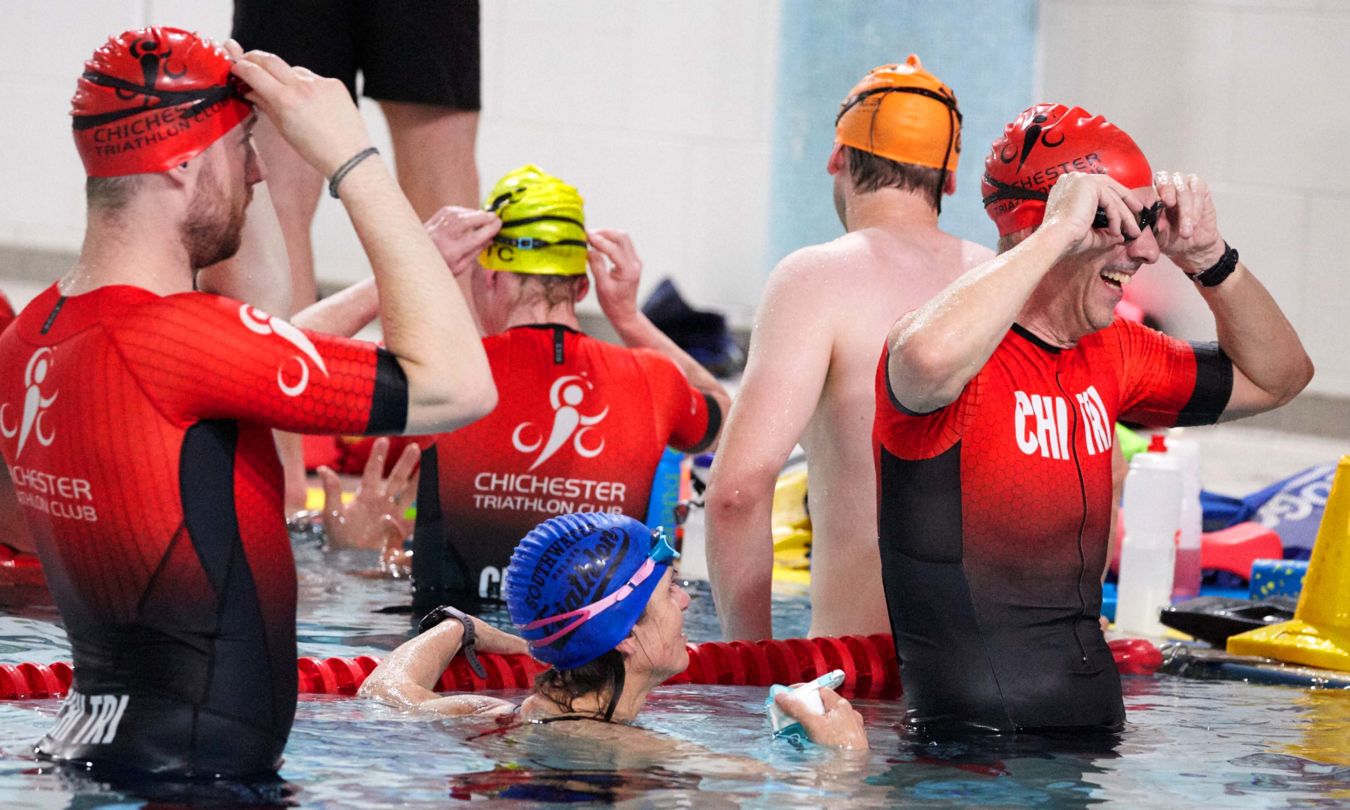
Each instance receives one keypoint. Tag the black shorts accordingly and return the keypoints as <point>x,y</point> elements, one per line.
<point>420,51</point>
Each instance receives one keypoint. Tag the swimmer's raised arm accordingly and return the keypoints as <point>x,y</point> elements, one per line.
<point>936,349</point>
<point>458,234</point>
<point>1270,365</point>
<point>616,284</point>
<point>259,273</point>
<point>345,312</point>
<point>783,380</point>
<point>427,325</point>
<point>406,677</point>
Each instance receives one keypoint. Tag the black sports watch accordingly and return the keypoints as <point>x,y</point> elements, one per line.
<point>466,646</point>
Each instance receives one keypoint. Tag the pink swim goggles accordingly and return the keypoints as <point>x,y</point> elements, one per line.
<point>662,553</point>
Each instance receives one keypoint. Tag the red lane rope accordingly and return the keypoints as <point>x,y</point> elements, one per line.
<point>869,664</point>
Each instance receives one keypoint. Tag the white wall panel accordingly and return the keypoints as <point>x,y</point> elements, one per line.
<point>1326,296</point>
<point>629,101</point>
<point>1254,95</point>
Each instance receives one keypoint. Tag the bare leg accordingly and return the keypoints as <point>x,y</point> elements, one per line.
<point>294,187</point>
<point>434,150</point>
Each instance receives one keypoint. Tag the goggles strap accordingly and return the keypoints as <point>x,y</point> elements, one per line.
<point>587,612</point>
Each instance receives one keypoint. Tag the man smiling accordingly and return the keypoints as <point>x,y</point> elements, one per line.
<point>995,402</point>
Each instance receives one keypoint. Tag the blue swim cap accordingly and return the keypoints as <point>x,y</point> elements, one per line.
<point>570,585</point>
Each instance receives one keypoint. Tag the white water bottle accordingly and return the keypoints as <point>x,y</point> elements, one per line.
<point>1148,550</point>
<point>1186,581</point>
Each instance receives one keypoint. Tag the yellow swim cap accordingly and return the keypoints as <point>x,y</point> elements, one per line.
<point>543,225</point>
<point>903,113</point>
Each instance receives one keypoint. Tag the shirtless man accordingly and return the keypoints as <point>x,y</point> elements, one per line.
<point>136,412</point>
<point>813,356</point>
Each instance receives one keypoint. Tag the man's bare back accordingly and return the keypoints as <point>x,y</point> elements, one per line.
<point>872,275</point>
<point>810,379</point>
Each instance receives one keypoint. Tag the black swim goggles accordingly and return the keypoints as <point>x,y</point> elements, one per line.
<point>945,99</point>
<point>198,99</point>
<point>1146,218</point>
<point>529,242</point>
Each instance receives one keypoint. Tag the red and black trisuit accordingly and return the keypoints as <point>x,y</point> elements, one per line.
<point>994,512</point>
<point>580,426</point>
<point>137,429</point>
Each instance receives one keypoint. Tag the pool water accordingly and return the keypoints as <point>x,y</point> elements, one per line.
<point>1188,742</point>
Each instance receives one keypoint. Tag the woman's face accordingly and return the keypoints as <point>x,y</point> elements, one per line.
<point>658,637</point>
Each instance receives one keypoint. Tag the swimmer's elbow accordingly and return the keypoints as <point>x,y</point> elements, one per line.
<point>442,408</point>
<point>734,496</point>
<point>923,374</point>
<point>1301,375</point>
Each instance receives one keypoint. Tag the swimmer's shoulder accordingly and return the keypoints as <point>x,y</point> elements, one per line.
<point>814,268</point>
<point>973,254</point>
<point>191,316</point>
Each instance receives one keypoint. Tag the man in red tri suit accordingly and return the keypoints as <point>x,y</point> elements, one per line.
<point>995,406</point>
<point>136,414</point>
<point>581,424</point>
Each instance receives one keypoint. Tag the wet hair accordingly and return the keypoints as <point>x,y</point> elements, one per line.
<point>554,290</point>
<point>565,686</point>
<point>872,172</point>
<point>111,193</point>
<point>1012,240</point>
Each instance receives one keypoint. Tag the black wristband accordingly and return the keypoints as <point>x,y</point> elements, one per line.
<point>1221,270</point>
<point>466,646</point>
<point>347,167</point>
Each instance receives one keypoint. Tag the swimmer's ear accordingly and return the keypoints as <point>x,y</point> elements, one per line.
<point>949,187</point>
<point>582,287</point>
<point>838,160</point>
<point>180,176</point>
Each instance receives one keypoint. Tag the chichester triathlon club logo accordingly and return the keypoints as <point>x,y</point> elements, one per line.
<point>259,322</point>
<point>35,405</point>
<point>565,397</point>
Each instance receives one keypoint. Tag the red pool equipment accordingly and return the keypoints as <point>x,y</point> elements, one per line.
<point>869,665</point>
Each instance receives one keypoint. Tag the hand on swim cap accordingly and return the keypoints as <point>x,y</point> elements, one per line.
<point>1073,205</point>
<point>1191,236</point>
<point>460,234</point>
<point>316,116</point>
<point>616,280</point>
<point>840,726</point>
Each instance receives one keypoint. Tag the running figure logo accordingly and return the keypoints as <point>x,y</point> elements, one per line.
<point>564,396</point>
<point>34,404</point>
<point>259,322</point>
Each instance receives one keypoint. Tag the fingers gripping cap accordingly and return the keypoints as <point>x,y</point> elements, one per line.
<point>153,98</point>
<point>569,562</point>
<point>543,225</point>
<point>1041,145</point>
<point>902,113</point>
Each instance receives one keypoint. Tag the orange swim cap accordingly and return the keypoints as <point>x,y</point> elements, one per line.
<point>1041,145</point>
<point>902,113</point>
<point>152,98</point>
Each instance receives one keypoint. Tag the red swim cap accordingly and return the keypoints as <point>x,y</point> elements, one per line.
<point>153,98</point>
<point>1043,143</point>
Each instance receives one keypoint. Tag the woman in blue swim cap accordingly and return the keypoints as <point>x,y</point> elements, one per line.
<point>595,597</point>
